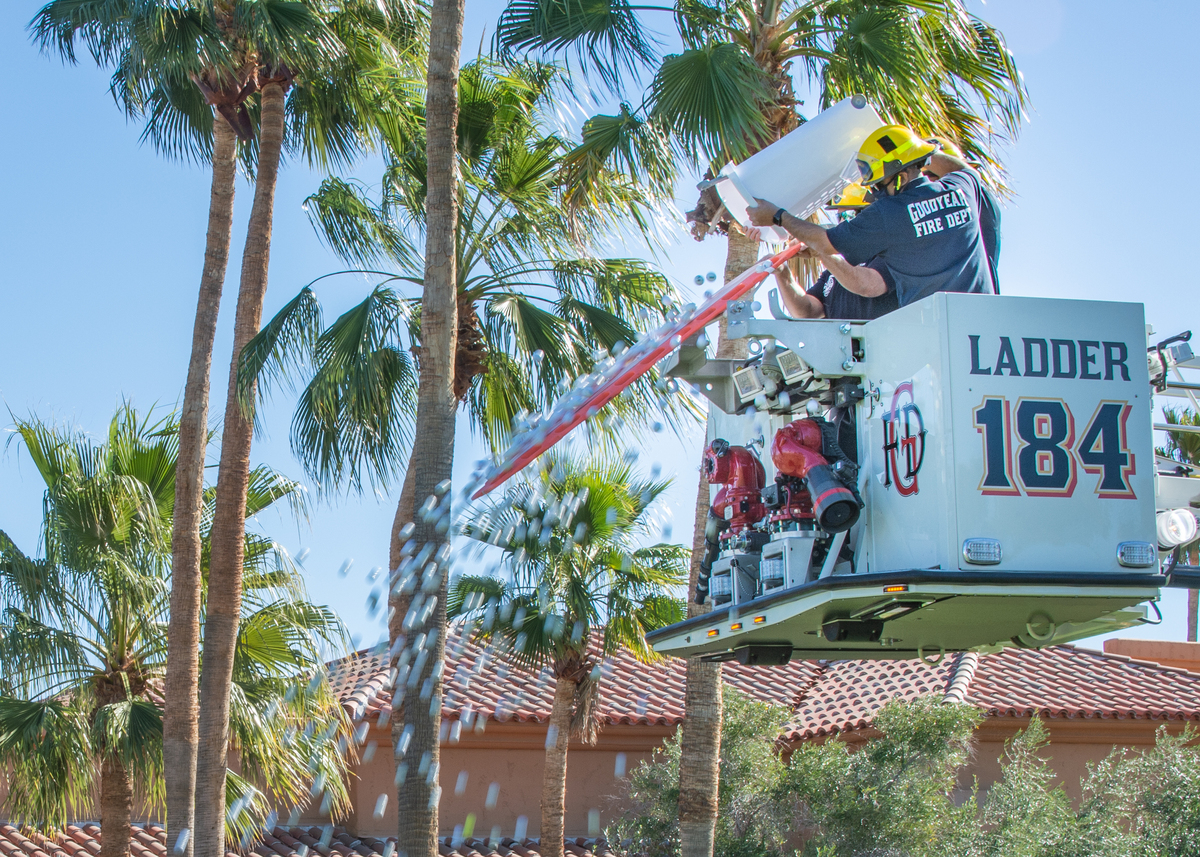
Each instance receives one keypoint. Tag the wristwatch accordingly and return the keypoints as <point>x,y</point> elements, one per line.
<point>778,218</point>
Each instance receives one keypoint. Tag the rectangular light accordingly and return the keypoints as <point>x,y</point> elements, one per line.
<point>982,551</point>
<point>714,632</point>
<point>748,382</point>
<point>736,626</point>
<point>791,366</point>
<point>900,587</point>
<point>1137,554</point>
<point>758,620</point>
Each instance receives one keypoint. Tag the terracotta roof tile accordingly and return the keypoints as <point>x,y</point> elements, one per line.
<point>479,683</point>
<point>1055,682</point>
<point>152,839</point>
<point>827,697</point>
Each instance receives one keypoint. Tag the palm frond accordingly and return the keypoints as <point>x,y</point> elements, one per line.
<point>605,36</point>
<point>353,228</point>
<point>45,747</point>
<point>352,422</point>
<point>623,144</point>
<point>282,348</point>
<point>713,99</point>
<point>132,730</point>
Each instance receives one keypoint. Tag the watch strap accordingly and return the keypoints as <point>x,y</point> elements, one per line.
<point>778,218</point>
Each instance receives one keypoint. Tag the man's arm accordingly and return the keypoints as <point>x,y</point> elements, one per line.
<point>859,279</point>
<point>796,301</point>
<point>763,212</point>
<point>941,164</point>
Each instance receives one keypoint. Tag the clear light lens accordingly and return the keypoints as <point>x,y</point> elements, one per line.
<point>982,551</point>
<point>770,571</point>
<point>1136,554</point>
<point>1175,527</point>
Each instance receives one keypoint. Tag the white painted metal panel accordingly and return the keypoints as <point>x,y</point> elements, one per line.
<point>1035,416</point>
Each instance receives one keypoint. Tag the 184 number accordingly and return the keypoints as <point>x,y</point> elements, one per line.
<point>1046,460</point>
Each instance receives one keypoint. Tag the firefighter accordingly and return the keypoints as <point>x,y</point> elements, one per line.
<point>827,297</point>
<point>925,230</point>
<point>989,213</point>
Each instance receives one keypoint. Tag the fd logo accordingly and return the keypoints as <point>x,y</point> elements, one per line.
<point>903,441</point>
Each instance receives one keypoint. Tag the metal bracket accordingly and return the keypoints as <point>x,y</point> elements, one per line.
<point>824,344</point>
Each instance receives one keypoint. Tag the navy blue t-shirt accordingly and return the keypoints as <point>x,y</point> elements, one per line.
<point>989,230</point>
<point>928,235</point>
<point>840,302</point>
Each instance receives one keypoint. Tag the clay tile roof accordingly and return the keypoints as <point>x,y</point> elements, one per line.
<point>151,839</point>
<point>478,683</point>
<point>827,697</point>
<point>1055,682</point>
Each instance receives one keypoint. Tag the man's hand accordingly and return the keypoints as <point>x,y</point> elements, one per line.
<point>762,213</point>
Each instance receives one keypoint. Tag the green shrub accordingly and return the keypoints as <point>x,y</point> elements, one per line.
<point>900,794</point>
<point>752,821</point>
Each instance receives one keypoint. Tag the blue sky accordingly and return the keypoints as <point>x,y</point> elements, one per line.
<point>102,241</point>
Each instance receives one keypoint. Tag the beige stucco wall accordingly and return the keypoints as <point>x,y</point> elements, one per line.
<point>1169,653</point>
<point>511,755</point>
<point>1074,744</point>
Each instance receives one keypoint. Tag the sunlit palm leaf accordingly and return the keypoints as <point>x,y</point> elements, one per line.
<point>605,34</point>
<point>713,100</point>
<point>353,419</point>
<point>46,750</point>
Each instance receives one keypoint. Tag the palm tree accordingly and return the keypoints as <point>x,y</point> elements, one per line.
<point>535,310</point>
<point>191,70</point>
<point>433,446</point>
<point>83,644</point>
<point>729,93</point>
<point>532,308</point>
<point>569,538</point>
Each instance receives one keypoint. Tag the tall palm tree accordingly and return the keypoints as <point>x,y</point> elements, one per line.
<point>533,305</point>
<point>83,644</point>
<point>191,70</point>
<point>348,28</point>
<point>569,538</point>
<point>535,308</point>
<point>729,93</point>
<point>433,446</point>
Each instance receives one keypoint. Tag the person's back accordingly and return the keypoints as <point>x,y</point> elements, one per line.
<point>928,234</point>
<point>989,231</point>
<point>839,302</point>
<point>927,231</point>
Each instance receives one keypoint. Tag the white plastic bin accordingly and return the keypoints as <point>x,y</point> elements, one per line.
<point>803,170</point>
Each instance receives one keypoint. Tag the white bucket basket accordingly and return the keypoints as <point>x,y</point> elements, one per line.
<point>803,170</point>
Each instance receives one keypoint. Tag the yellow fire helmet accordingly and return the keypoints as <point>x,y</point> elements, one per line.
<point>948,147</point>
<point>853,198</point>
<point>886,152</point>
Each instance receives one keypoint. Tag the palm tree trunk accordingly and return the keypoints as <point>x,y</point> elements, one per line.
<point>399,602</point>
<point>700,736</point>
<point>181,709</point>
<point>433,443</point>
<point>116,808</point>
<point>229,517</point>
<point>554,780</point>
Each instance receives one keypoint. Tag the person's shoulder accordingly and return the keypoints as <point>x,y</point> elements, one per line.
<point>966,177</point>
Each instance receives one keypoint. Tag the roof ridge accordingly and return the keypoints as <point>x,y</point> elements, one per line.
<point>961,676</point>
<point>1141,662</point>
